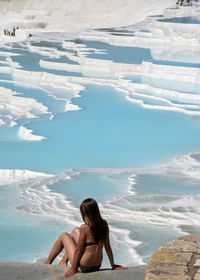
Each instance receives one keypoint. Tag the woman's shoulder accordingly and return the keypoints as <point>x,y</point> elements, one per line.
<point>84,227</point>
<point>85,230</point>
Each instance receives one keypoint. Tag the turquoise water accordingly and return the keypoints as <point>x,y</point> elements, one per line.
<point>130,55</point>
<point>31,62</point>
<point>114,139</point>
<point>140,164</point>
<point>26,247</point>
<point>183,20</point>
<point>166,185</point>
<point>40,95</point>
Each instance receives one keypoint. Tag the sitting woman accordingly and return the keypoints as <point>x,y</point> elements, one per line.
<point>84,246</point>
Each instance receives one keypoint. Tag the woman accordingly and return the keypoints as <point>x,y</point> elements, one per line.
<point>84,245</point>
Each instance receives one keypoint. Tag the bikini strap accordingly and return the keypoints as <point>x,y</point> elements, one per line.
<point>90,243</point>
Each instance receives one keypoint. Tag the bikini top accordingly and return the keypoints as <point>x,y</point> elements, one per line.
<point>91,243</point>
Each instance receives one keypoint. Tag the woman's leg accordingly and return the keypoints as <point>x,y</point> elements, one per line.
<point>64,260</point>
<point>66,241</point>
<point>75,235</point>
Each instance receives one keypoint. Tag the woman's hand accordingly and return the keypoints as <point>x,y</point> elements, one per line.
<point>119,267</point>
<point>70,272</point>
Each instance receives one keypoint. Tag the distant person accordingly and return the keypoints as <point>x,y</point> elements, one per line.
<point>84,245</point>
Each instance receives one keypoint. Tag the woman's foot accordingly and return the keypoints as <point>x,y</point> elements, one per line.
<point>47,262</point>
<point>63,263</point>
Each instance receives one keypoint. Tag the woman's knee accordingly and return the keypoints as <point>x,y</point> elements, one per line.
<point>75,234</point>
<point>64,235</point>
<point>76,230</point>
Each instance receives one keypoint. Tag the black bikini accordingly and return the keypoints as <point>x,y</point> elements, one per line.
<point>87,269</point>
<point>91,243</point>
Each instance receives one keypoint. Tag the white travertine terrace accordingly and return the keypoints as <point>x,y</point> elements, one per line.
<point>14,107</point>
<point>71,15</point>
<point>14,176</point>
<point>27,135</point>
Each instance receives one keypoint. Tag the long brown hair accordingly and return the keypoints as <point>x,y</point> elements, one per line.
<point>98,226</point>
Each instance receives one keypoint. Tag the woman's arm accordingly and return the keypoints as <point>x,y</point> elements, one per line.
<point>78,252</point>
<point>110,255</point>
<point>109,250</point>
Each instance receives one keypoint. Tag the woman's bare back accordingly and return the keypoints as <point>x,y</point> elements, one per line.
<point>93,254</point>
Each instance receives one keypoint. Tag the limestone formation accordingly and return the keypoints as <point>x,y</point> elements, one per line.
<point>33,271</point>
<point>176,260</point>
